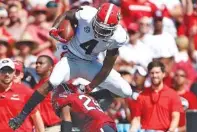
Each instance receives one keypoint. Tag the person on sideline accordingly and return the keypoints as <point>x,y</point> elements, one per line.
<point>44,67</point>
<point>12,98</point>
<point>159,106</point>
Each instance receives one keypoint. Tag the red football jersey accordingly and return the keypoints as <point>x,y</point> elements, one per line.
<point>86,112</point>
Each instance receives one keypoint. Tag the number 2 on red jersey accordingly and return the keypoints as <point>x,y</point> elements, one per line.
<point>87,103</point>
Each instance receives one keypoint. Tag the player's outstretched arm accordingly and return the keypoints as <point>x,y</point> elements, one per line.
<point>68,15</point>
<point>33,101</point>
<point>66,124</point>
<point>107,67</point>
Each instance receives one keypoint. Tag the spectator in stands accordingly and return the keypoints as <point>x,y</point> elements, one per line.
<point>161,42</point>
<point>30,77</point>
<point>133,9</point>
<point>25,47</point>
<point>127,73</point>
<point>182,58</point>
<point>39,31</point>
<point>174,7</point>
<point>158,97</point>
<point>18,20</point>
<point>189,100</point>
<point>138,86</point>
<point>44,66</point>
<point>139,78</point>
<point>183,45</point>
<point>5,35</point>
<point>129,51</point>
<point>22,75</point>
<point>18,72</point>
<point>4,49</point>
<point>13,97</point>
<point>144,28</point>
<point>163,47</point>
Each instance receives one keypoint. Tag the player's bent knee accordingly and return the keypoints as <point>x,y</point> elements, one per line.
<point>55,81</point>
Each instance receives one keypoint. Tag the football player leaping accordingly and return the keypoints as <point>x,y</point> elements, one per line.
<point>95,31</point>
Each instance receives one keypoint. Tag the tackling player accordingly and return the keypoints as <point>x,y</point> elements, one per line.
<point>81,111</point>
<point>95,31</point>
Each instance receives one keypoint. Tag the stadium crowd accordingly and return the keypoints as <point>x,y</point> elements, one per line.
<point>164,30</point>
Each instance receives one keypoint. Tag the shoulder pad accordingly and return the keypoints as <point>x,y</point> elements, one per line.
<point>86,13</point>
<point>120,35</point>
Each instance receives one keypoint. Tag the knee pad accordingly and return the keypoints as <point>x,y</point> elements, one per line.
<point>54,81</point>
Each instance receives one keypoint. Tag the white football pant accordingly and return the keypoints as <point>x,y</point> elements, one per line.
<point>71,66</point>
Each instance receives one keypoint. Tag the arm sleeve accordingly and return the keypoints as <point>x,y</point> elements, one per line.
<point>29,92</point>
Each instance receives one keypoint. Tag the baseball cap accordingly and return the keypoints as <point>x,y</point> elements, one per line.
<point>141,70</point>
<point>133,27</point>
<point>7,62</point>
<point>18,65</point>
<point>158,15</point>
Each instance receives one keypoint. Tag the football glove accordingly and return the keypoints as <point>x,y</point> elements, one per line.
<point>54,33</point>
<point>17,121</point>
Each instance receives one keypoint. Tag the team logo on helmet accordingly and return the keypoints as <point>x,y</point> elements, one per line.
<point>87,29</point>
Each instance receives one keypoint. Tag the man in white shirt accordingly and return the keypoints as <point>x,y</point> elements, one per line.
<point>161,42</point>
<point>135,51</point>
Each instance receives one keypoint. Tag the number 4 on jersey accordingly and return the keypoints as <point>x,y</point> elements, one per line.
<point>89,46</point>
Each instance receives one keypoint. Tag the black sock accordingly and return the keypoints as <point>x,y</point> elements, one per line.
<point>66,126</point>
<point>33,101</point>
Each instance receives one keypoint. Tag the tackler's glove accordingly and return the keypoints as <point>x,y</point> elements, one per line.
<point>17,121</point>
<point>54,33</point>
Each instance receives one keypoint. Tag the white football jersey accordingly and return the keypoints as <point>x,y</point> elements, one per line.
<point>84,44</point>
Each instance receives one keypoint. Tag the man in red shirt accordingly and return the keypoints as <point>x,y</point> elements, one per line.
<point>133,9</point>
<point>12,98</point>
<point>80,110</point>
<point>159,106</point>
<point>189,100</point>
<point>44,67</point>
<point>138,87</point>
